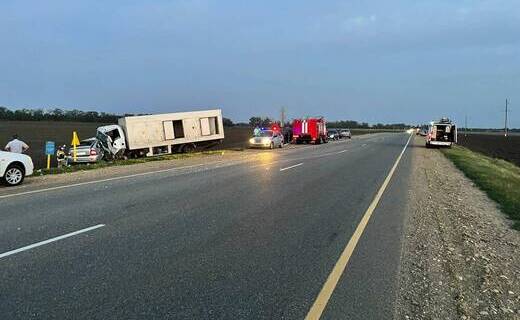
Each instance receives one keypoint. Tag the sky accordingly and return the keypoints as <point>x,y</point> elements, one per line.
<point>395,61</point>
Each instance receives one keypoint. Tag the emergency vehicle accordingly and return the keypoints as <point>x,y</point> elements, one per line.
<point>442,133</point>
<point>309,130</point>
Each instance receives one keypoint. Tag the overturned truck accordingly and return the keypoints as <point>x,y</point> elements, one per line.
<point>138,136</point>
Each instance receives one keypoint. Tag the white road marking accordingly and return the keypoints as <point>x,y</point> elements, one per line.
<point>296,165</point>
<point>41,243</point>
<point>99,181</point>
<point>341,151</point>
<point>364,145</point>
<point>328,288</point>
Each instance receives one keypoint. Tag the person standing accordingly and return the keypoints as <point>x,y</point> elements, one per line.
<point>61,157</point>
<point>16,146</point>
<point>256,131</point>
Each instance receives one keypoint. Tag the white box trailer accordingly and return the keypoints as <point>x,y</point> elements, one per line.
<point>162,133</point>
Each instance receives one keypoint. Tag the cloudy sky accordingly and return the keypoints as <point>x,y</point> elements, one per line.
<point>387,61</point>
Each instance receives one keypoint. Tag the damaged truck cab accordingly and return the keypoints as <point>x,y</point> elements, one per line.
<point>112,140</point>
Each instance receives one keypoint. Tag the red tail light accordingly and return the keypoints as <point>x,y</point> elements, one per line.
<point>93,152</point>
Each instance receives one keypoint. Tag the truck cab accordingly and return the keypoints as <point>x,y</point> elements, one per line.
<point>442,133</point>
<point>112,140</point>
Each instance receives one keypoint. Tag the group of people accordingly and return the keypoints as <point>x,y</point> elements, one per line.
<point>18,146</point>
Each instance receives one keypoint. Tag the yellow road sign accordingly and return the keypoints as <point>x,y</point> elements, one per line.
<point>75,143</point>
<point>75,139</point>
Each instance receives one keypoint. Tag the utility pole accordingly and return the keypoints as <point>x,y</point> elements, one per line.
<point>282,117</point>
<point>465,125</point>
<point>505,125</point>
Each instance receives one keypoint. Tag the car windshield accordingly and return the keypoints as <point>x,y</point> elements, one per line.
<point>264,133</point>
<point>86,143</point>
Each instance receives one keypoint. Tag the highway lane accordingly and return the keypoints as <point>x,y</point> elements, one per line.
<point>235,240</point>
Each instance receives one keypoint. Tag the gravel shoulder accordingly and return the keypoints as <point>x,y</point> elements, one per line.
<point>460,257</point>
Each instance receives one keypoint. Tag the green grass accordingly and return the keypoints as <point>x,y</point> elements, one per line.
<point>104,164</point>
<point>498,178</point>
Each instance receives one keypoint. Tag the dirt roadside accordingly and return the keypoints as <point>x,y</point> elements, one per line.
<point>460,258</point>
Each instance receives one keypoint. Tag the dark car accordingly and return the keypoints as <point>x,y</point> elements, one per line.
<point>333,134</point>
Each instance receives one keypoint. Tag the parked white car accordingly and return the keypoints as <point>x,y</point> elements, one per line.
<point>14,167</point>
<point>266,139</point>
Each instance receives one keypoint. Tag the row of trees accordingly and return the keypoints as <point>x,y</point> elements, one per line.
<point>348,124</point>
<point>260,122</point>
<point>56,115</point>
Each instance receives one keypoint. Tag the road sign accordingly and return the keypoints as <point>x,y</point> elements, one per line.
<point>75,139</point>
<point>50,147</point>
<point>74,143</point>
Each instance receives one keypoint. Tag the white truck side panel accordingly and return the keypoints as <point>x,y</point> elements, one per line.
<point>204,127</point>
<point>191,128</point>
<point>158,130</point>
<point>168,130</point>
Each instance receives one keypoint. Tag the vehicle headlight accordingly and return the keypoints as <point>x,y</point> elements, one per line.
<point>266,140</point>
<point>251,140</point>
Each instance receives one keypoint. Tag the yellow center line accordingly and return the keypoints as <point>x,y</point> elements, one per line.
<point>328,288</point>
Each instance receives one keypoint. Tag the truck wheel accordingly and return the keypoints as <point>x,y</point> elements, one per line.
<point>188,148</point>
<point>14,175</point>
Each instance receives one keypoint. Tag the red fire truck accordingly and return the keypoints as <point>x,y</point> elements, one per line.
<point>309,130</point>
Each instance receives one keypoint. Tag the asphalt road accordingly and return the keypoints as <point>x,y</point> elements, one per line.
<point>236,240</point>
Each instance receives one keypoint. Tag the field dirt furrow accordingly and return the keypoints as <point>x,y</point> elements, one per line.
<point>493,145</point>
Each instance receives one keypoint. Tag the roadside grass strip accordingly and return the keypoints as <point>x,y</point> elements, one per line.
<point>104,164</point>
<point>499,179</point>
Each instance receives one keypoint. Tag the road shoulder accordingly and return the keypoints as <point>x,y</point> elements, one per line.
<point>460,256</point>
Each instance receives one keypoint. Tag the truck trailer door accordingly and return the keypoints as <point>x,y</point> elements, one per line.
<point>204,127</point>
<point>168,130</point>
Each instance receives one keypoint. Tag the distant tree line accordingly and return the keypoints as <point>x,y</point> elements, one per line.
<point>351,124</point>
<point>56,114</point>
<point>488,129</point>
<point>260,122</point>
